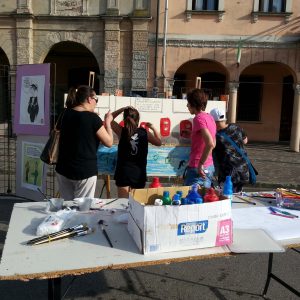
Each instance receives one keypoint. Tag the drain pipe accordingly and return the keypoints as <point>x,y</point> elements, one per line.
<point>155,84</point>
<point>165,38</point>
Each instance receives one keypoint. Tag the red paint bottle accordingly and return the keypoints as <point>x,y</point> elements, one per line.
<point>155,183</point>
<point>211,196</point>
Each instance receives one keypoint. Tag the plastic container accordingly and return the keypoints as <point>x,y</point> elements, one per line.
<point>155,183</point>
<point>179,193</point>
<point>287,199</point>
<point>193,196</point>
<point>211,196</point>
<point>176,199</point>
<point>166,198</point>
<point>55,204</point>
<point>84,203</point>
<point>228,188</point>
<point>184,201</point>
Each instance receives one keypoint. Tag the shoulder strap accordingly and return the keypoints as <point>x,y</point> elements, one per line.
<point>235,146</point>
<point>59,120</point>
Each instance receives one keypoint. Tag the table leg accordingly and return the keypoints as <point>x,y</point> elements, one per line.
<point>54,288</point>
<point>271,275</point>
<point>270,264</point>
<point>107,180</point>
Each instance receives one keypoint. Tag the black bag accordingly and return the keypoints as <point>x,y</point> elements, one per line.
<point>50,152</point>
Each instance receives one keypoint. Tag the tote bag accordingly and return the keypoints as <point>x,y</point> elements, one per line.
<point>50,152</point>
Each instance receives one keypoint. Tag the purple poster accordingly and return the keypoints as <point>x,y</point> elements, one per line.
<point>32,100</point>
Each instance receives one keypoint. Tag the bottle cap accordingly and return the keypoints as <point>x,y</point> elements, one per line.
<point>166,194</point>
<point>176,197</point>
<point>158,202</point>
<point>155,183</point>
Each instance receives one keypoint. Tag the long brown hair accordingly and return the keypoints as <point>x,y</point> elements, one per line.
<point>131,121</point>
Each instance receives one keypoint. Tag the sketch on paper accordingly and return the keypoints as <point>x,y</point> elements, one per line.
<point>32,100</point>
<point>32,109</point>
<point>32,166</point>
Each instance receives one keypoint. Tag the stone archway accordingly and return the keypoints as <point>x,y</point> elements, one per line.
<point>213,77</point>
<point>72,62</point>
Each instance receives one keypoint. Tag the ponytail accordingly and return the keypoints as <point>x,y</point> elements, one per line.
<point>131,121</point>
<point>71,98</point>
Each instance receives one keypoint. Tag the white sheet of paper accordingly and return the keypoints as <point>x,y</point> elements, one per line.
<point>253,241</point>
<point>279,228</point>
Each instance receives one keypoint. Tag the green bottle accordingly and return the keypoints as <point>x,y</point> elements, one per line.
<point>166,198</point>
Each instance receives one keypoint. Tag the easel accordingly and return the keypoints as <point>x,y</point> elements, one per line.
<point>198,83</point>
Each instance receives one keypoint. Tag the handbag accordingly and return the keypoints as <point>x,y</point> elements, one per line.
<point>49,154</point>
<point>252,170</point>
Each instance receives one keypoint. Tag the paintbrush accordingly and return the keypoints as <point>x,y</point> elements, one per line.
<point>51,235</point>
<point>75,233</point>
<point>245,199</point>
<point>101,223</point>
<point>45,196</point>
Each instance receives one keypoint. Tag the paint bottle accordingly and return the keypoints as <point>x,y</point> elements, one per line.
<point>228,188</point>
<point>211,196</point>
<point>155,183</point>
<point>193,196</point>
<point>176,199</point>
<point>166,198</point>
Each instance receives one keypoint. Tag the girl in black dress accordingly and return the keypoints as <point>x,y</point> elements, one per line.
<point>132,150</point>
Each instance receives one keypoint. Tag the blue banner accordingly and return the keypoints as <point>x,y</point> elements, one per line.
<point>161,161</point>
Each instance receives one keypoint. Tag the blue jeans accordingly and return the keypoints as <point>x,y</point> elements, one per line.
<point>192,176</point>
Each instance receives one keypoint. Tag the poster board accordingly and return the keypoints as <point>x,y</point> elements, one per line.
<point>32,171</point>
<point>162,161</point>
<point>32,100</point>
<point>171,158</point>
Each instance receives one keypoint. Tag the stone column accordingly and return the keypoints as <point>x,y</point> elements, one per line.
<point>295,134</point>
<point>24,7</point>
<point>111,55</point>
<point>139,55</point>
<point>24,36</point>
<point>231,114</point>
<point>112,7</point>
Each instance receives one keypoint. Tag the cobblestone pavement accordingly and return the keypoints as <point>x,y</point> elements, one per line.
<point>276,164</point>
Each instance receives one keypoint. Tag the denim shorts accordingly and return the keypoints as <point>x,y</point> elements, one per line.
<point>192,176</point>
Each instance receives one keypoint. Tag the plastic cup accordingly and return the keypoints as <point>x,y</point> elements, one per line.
<point>84,204</point>
<point>55,204</point>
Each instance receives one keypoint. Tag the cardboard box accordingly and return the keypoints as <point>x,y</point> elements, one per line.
<point>171,228</point>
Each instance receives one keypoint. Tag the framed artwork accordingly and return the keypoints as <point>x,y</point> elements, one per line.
<point>32,100</point>
<point>31,171</point>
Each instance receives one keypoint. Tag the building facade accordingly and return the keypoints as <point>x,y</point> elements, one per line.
<point>244,52</point>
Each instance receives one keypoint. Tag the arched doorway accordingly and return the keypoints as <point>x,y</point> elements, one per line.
<point>4,87</point>
<point>213,78</point>
<point>265,101</point>
<point>73,62</point>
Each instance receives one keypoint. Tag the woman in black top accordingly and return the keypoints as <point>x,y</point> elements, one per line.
<point>132,151</point>
<point>80,133</point>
